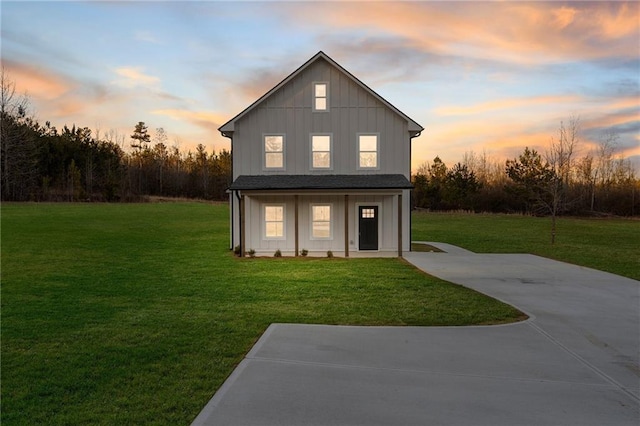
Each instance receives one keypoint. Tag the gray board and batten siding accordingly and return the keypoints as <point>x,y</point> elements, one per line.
<point>288,112</point>
<point>353,110</point>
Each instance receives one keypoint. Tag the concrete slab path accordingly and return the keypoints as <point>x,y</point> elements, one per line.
<point>574,362</point>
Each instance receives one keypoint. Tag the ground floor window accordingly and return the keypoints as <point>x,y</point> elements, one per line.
<point>274,221</point>
<point>321,221</point>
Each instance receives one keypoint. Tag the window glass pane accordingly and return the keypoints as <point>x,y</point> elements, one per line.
<point>322,213</point>
<point>321,143</point>
<point>368,143</point>
<point>273,143</point>
<point>368,213</point>
<point>321,103</point>
<point>321,160</point>
<point>321,221</point>
<point>321,230</point>
<point>274,221</point>
<point>273,213</point>
<point>368,159</point>
<point>321,90</point>
<point>274,229</point>
<point>274,160</point>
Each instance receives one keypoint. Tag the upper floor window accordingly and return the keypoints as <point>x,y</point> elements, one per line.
<point>274,151</point>
<point>321,221</point>
<point>274,221</point>
<point>367,151</point>
<point>320,151</point>
<point>320,96</point>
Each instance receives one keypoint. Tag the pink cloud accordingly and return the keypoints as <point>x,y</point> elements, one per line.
<point>511,31</point>
<point>131,77</point>
<point>502,104</point>
<point>206,120</point>
<point>36,82</point>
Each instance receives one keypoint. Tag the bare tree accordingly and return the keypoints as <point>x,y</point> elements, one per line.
<point>483,166</point>
<point>560,159</point>
<point>16,144</point>
<point>605,161</point>
<point>585,176</point>
<point>160,154</point>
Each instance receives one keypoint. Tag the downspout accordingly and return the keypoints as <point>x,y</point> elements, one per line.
<point>230,193</point>
<point>415,135</point>
<point>239,223</point>
<point>230,136</point>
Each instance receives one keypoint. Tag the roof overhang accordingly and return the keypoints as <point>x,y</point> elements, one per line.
<point>320,182</point>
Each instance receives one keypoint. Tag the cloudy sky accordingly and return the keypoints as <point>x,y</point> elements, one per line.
<point>479,76</point>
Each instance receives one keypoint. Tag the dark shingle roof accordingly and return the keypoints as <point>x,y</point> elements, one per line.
<point>280,182</point>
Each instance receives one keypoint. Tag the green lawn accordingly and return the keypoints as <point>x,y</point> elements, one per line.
<point>611,245</point>
<point>136,313</point>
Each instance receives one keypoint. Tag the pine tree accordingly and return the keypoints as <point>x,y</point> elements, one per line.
<point>140,136</point>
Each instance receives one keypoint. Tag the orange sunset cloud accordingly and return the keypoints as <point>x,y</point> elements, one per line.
<point>36,82</point>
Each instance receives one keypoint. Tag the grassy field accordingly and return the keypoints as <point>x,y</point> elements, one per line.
<point>611,245</point>
<point>135,314</point>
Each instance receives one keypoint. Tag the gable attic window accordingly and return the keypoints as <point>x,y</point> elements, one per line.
<point>274,151</point>
<point>367,151</point>
<point>320,151</point>
<point>320,96</point>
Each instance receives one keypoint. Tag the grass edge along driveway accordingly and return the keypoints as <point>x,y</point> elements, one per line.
<point>137,313</point>
<point>611,245</point>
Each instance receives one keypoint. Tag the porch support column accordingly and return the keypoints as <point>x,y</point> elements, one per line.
<point>243,232</point>
<point>346,226</point>
<point>399,225</point>
<point>295,221</point>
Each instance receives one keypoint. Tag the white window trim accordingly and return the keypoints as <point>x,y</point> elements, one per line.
<point>330,237</point>
<point>264,221</point>
<point>313,96</point>
<point>377,135</point>
<point>284,152</point>
<point>311,152</point>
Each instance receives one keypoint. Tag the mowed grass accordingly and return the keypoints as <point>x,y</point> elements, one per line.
<point>611,245</point>
<point>136,314</point>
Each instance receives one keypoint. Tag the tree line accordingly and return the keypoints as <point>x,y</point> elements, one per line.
<point>556,182</point>
<point>43,163</point>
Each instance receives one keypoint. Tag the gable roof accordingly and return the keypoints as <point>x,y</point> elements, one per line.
<point>298,182</point>
<point>414,128</point>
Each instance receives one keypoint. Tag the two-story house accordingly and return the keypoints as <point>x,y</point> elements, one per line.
<point>321,163</point>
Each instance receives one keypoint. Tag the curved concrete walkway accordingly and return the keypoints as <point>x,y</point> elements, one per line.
<point>574,362</point>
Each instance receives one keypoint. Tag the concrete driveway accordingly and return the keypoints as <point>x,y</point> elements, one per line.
<point>574,362</point>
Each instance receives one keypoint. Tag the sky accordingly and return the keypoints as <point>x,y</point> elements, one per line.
<point>482,77</point>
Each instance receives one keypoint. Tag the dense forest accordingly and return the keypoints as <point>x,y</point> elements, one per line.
<point>43,163</point>
<point>553,183</point>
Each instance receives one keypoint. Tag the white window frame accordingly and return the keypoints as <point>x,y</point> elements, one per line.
<point>377,151</point>
<point>311,221</point>
<point>314,97</point>
<point>264,222</point>
<point>311,151</point>
<point>264,151</point>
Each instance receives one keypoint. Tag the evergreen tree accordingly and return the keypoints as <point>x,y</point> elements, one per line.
<point>140,136</point>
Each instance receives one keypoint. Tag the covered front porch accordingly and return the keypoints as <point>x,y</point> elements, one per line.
<point>357,224</point>
<point>319,216</point>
